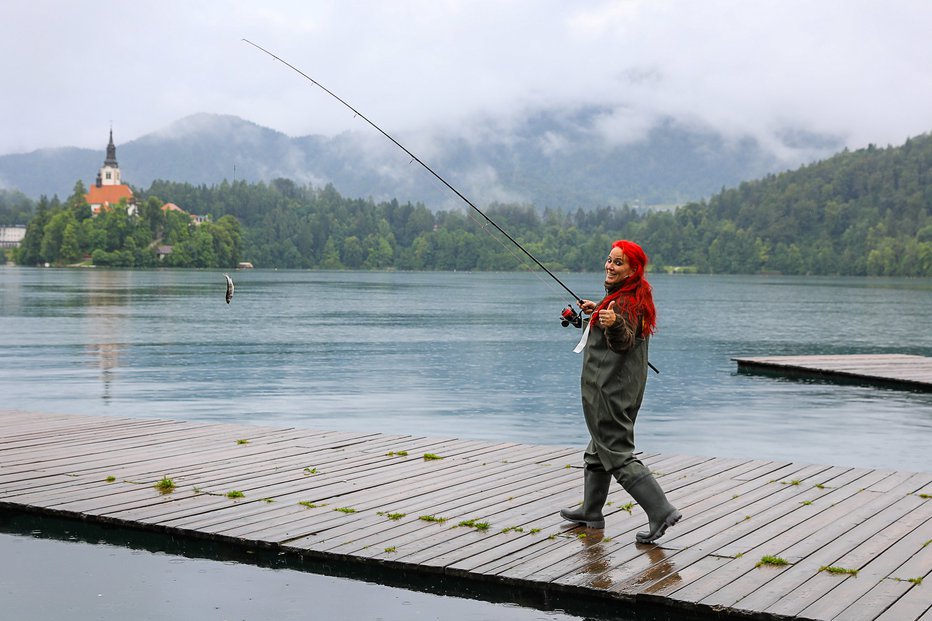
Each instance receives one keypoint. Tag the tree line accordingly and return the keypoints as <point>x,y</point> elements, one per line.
<point>68,233</point>
<point>865,212</point>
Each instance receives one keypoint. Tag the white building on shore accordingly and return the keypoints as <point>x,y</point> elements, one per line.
<point>12,236</point>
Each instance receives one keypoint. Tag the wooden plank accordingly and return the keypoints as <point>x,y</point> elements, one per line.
<point>242,518</point>
<point>790,589</point>
<point>433,495</point>
<point>415,504</point>
<point>326,486</point>
<point>152,464</point>
<point>842,506</point>
<point>916,603</point>
<point>770,514</point>
<point>266,484</point>
<point>714,485</point>
<point>875,559</point>
<point>624,559</point>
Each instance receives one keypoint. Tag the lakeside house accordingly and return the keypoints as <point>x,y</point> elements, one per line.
<point>12,236</point>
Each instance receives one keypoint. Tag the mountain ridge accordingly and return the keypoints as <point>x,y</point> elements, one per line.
<point>550,160</point>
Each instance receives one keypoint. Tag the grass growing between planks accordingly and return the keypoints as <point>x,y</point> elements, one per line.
<point>433,518</point>
<point>165,485</point>
<point>774,561</point>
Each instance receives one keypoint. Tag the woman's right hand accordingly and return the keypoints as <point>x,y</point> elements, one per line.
<point>587,306</point>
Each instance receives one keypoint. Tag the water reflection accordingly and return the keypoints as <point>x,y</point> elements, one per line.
<point>107,358</point>
<point>595,562</point>
<point>661,566</point>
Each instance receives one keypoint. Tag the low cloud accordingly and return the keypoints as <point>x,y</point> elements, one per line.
<point>852,69</point>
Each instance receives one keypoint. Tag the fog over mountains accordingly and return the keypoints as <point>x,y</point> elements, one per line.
<point>551,160</point>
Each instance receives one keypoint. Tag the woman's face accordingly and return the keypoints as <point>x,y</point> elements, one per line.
<point>616,267</point>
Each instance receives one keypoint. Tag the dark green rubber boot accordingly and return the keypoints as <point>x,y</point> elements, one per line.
<point>661,515</point>
<point>595,492</point>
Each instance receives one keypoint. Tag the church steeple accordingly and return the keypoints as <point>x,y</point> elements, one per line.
<point>110,172</point>
<point>111,153</point>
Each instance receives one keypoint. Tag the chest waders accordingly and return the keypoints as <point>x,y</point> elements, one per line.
<point>612,388</point>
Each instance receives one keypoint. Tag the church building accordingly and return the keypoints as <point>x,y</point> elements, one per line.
<point>109,189</point>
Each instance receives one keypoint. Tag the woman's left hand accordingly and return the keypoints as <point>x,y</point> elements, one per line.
<point>608,317</point>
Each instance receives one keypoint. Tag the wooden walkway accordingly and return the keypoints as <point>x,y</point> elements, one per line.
<point>891,370</point>
<point>488,512</point>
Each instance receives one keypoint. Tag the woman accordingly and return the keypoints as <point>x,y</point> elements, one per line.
<point>614,375</point>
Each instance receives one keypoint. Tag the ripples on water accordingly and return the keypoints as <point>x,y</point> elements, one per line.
<point>470,355</point>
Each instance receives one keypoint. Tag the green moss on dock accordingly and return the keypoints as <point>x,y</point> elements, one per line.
<point>432,518</point>
<point>165,485</point>
<point>774,561</point>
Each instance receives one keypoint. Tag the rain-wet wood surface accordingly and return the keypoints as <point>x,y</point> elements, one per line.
<point>844,543</point>
<point>891,370</point>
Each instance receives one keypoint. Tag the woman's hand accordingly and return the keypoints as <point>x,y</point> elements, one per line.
<point>587,306</point>
<point>608,316</point>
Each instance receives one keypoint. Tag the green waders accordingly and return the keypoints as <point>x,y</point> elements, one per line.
<point>612,388</point>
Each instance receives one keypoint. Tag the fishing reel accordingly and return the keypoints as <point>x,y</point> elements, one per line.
<point>570,316</point>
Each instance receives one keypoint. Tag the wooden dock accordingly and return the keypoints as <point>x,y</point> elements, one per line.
<point>485,512</point>
<point>890,370</point>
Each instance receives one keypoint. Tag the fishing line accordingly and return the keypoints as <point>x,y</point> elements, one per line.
<point>510,250</point>
<point>415,158</point>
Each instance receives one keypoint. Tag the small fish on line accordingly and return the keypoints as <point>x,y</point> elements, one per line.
<point>229,287</point>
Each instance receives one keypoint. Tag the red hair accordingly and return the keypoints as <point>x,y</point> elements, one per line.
<point>635,297</point>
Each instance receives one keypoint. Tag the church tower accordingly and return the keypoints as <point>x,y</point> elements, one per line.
<point>110,172</point>
<point>109,189</point>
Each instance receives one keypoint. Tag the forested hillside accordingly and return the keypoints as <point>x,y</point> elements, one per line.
<point>867,212</point>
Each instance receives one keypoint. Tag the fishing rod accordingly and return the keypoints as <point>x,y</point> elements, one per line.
<point>570,318</point>
<point>569,315</point>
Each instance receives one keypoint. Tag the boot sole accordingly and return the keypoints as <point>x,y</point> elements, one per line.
<point>653,536</point>
<point>587,524</point>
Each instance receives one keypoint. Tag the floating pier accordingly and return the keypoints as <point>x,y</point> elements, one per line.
<point>890,370</point>
<point>759,539</point>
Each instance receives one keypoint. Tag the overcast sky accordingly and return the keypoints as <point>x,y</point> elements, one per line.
<point>857,70</point>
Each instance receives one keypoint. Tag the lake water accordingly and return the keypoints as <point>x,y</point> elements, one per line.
<point>468,355</point>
